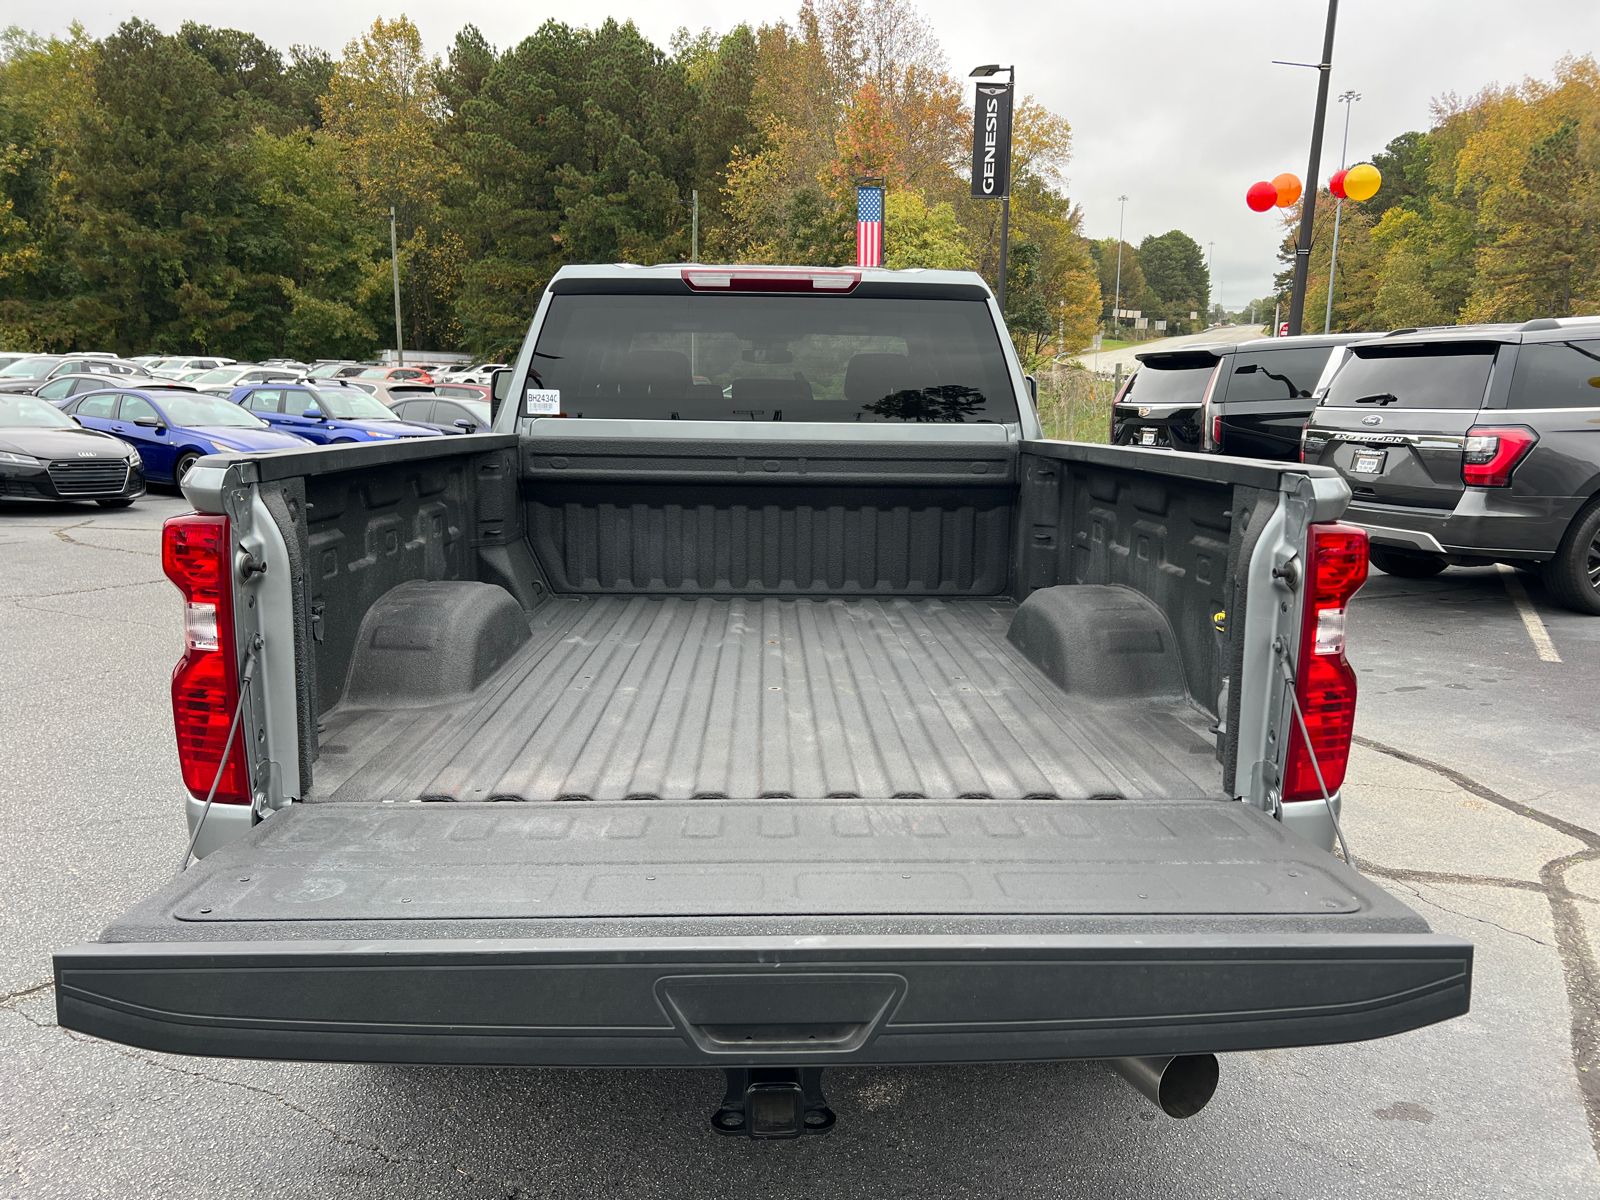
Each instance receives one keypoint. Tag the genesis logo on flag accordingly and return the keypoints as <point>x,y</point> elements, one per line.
<point>869,227</point>
<point>991,142</point>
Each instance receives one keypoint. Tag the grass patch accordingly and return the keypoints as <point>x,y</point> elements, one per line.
<point>1075,406</point>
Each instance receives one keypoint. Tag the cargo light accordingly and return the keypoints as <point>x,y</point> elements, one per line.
<point>1325,683</point>
<point>205,683</point>
<point>1492,452</point>
<point>742,279</point>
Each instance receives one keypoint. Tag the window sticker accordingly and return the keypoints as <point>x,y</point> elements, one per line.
<point>541,402</point>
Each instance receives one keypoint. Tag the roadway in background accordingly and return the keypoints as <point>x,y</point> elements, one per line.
<point>1475,798</point>
<point>1109,360</point>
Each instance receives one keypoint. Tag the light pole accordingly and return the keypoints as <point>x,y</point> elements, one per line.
<point>1308,205</point>
<point>1116,304</point>
<point>1211,254</point>
<point>1346,99</point>
<point>985,72</point>
<point>394,258</point>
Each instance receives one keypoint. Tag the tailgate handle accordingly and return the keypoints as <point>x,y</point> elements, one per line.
<point>792,1013</point>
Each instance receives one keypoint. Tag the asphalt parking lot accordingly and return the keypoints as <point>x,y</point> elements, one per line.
<point>1474,794</point>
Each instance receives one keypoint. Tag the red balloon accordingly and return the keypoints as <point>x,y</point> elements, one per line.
<point>1336,184</point>
<point>1261,196</point>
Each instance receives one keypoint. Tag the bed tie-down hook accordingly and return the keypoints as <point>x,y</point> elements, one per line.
<point>1289,571</point>
<point>248,565</point>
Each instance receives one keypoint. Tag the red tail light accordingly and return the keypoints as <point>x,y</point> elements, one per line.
<point>1324,682</point>
<point>205,683</point>
<point>1492,452</point>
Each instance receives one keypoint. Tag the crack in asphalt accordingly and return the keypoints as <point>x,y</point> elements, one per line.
<point>109,587</point>
<point>1416,892</point>
<point>336,1135</point>
<point>66,537</point>
<point>1579,968</point>
<point>27,991</point>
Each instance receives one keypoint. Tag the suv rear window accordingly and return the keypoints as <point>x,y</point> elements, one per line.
<point>1171,380</point>
<point>1450,375</point>
<point>774,357</point>
<point>1275,374</point>
<point>1557,375</point>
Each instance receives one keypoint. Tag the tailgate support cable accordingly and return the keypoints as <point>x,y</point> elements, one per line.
<point>1288,675</point>
<point>227,748</point>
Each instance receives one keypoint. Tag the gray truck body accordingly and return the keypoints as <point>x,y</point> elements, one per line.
<point>676,743</point>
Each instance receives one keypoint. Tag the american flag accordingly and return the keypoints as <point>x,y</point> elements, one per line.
<point>869,227</point>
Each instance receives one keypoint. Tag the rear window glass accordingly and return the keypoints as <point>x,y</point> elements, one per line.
<point>774,357</point>
<point>1557,375</point>
<point>1181,381</point>
<point>1441,376</point>
<point>1275,375</point>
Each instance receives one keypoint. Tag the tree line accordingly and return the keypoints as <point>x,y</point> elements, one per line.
<point>1164,278</point>
<point>201,190</point>
<point>1491,214</point>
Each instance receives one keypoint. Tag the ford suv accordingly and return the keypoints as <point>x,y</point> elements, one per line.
<point>1472,445</point>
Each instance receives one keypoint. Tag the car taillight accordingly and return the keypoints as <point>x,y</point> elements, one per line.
<point>205,683</point>
<point>1492,452</point>
<point>1325,683</point>
<point>1211,426</point>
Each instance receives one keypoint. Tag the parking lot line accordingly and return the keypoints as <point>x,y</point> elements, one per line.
<point>1529,614</point>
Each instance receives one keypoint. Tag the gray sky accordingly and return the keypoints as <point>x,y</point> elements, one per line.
<point>1177,106</point>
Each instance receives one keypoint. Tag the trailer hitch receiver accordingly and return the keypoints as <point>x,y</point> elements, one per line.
<point>767,1103</point>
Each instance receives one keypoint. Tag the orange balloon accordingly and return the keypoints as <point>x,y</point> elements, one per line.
<point>1288,189</point>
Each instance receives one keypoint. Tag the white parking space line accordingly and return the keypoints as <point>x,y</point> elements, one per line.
<point>1529,614</point>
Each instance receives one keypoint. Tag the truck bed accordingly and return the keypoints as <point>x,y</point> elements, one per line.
<point>634,698</point>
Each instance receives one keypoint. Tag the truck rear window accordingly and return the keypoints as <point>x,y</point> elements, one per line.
<point>1176,380</point>
<point>772,357</point>
<point>1451,375</point>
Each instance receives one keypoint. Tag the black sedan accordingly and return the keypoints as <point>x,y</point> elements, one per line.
<point>46,455</point>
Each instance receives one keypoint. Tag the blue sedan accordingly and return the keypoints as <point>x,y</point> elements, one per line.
<point>172,428</point>
<point>327,414</point>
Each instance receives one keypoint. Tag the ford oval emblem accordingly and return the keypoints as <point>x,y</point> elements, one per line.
<point>1372,420</point>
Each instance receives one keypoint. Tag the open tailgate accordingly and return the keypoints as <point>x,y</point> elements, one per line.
<point>741,932</point>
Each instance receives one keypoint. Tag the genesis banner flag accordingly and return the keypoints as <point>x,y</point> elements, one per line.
<point>991,142</point>
<point>869,227</point>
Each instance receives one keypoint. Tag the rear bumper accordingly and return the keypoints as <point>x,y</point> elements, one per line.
<point>1484,524</point>
<point>731,1001</point>
<point>1177,431</point>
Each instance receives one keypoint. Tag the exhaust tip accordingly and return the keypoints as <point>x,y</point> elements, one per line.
<point>1180,1085</point>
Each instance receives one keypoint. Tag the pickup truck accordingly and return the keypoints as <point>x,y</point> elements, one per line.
<point>765,693</point>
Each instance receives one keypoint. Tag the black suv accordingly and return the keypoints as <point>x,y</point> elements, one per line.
<point>1245,398</point>
<point>1473,445</point>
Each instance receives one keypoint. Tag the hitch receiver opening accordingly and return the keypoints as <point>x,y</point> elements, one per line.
<point>772,1102</point>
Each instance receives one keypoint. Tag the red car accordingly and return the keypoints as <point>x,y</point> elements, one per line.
<point>397,374</point>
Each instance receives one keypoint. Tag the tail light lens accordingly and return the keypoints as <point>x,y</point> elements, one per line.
<point>1116,400</point>
<point>205,683</point>
<point>1492,452</point>
<point>1325,683</point>
<point>1211,426</point>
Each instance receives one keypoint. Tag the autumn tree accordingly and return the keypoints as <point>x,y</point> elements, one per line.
<point>385,112</point>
